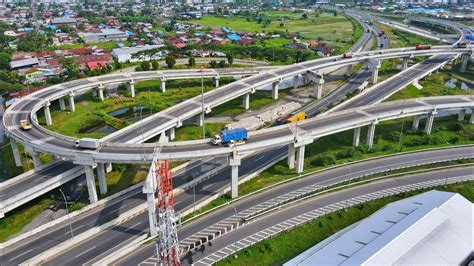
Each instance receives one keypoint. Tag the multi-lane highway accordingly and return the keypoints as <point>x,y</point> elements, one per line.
<point>280,151</point>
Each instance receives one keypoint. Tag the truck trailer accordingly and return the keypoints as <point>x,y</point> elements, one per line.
<point>87,143</point>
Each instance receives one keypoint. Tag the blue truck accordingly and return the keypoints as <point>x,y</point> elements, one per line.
<point>231,137</point>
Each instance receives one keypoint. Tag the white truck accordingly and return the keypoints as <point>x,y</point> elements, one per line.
<point>87,143</point>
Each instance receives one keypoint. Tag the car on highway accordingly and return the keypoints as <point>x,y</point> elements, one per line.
<point>25,125</point>
<point>347,55</point>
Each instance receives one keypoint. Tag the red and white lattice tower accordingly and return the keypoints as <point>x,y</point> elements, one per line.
<point>167,244</point>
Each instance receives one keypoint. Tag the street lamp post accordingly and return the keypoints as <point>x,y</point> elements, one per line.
<point>67,209</point>
<point>202,102</point>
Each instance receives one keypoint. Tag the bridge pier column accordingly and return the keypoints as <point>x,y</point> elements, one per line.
<point>16,153</point>
<point>171,133</point>
<point>149,188</point>
<point>416,122</point>
<point>371,135</point>
<point>91,183</point>
<point>405,63</point>
<point>461,115</point>
<point>131,88</point>
<point>275,86</point>
<point>246,101</point>
<point>47,114</point>
<point>291,156</point>
<point>102,180</point>
<point>36,158</point>
<point>356,138</point>
<point>163,85</point>
<point>348,71</point>
<point>100,91</point>
<point>72,105</point>
<point>199,119</point>
<point>163,138</point>
<point>216,81</point>
<point>295,82</point>
<point>62,104</point>
<point>319,89</point>
<point>108,167</point>
<point>464,62</point>
<point>300,159</point>
<point>429,122</point>
<point>471,119</point>
<point>234,162</point>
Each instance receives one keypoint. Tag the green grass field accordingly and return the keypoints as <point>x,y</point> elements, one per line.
<point>93,114</point>
<point>336,30</point>
<point>281,248</point>
<point>432,86</point>
<point>399,38</point>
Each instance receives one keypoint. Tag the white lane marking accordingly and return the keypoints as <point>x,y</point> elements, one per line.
<point>132,226</point>
<point>74,229</point>
<point>123,206</point>
<point>259,158</point>
<point>82,253</point>
<point>16,257</point>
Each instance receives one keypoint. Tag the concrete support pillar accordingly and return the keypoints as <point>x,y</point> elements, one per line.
<point>356,138</point>
<point>348,71</point>
<point>216,81</point>
<point>199,119</point>
<point>62,104</point>
<point>108,167</point>
<point>234,162</point>
<point>405,63</point>
<point>101,176</point>
<point>429,122</point>
<point>100,91</point>
<point>461,115</point>
<point>163,84</point>
<point>464,62</point>
<point>149,188</point>
<point>163,138</point>
<point>295,81</point>
<point>16,153</point>
<point>275,86</point>
<point>375,75</point>
<point>72,105</point>
<point>151,202</point>
<point>171,133</point>
<point>471,119</point>
<point>91,183</point>
<point>47,114</point>
<point>416,122</point>
<point>319,91</point>
<point>131,88</point>
<point>300,159</point>
<point>36,158</point>
<point>370,135</point>
<point>246,101</point>
<point>291,156</point>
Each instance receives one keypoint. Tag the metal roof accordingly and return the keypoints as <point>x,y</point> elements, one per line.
<point>133,50</point>
<point>24,63</point>
<point>431,228</point>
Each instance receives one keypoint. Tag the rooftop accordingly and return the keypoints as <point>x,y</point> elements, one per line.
<point>431,228</point>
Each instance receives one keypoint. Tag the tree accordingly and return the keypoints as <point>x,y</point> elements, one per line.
<point>304,16</point>
<point>221,64</point>
<point>230,59</point>
<point>5,59</point>
<point>170,61</point>
<point>155,65</point>
<point>70,67</point>
<point>192,61</point>
<point>213,64</point>
<point>145,66</point>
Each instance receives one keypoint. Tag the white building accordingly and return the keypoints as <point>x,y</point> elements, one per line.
<point>126,53</point>
<point>433,228</point>
<point>104,35</point>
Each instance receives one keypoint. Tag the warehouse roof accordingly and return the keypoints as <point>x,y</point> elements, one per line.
<point>431,228</point>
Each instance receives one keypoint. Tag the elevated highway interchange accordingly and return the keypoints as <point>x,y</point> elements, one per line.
<point>149,149</point>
